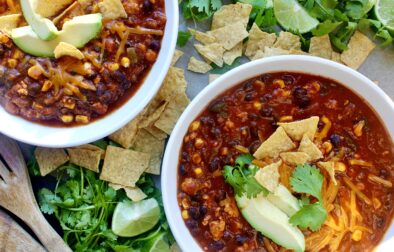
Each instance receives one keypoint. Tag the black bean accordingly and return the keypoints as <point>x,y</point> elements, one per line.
<point>266,112</point>
<point>185,157</point>
<point>253,116</point>
<point>147,5</point>
<point>33,88</point>
<point>227,235</point>
<point>301,97</point>
<point>203,210</point>
<point>214,164</point>
<point>234,142</point>
<point>215,132</point>
<point>240,239</point>
<point>155,45</point>
<point>254,146</point>
<point>2,50</point>
<point>220,195</point>
<point>248,86</point>
<point>250,96</point>
<point>207,121</point>
<point>195,213</point>
<point>192,224</point>
<point>378,222</point>
<point>216,245</point>
<point>218,107</point>
<point>335,140</point>
<point>100,89</point>
<point>182,170</point>
<point>288,79</point>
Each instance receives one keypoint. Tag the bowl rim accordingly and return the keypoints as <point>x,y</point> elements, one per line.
<point>234,77</point>
<point>37,134</point>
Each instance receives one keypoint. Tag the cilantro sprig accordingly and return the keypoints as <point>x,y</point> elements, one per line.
<point>241,177</point>
<point>308,180</point>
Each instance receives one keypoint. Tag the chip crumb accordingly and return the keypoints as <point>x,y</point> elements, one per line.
<point>173,85</point>
<point>157,133</point>
<point>321,47</point>
<point>49,8</point>
<point>133,193</point>
<point>92,147</point>
<point>294,158</point>
<point>65,49</point>
<point>212,52</point>
<point>258,40</point>
<point>231,13</point>
<point>124,166</point>
<point>359,47</point>
<point>202,37</point>
<point>177,55</point>
<point>153,113</point>
<point>112,9</point>
<point>278,142</point>
<point>49,159</point>
<point>89,159</point>
<point>231,55</point>
<point>268,176</point>
<point>297,129</point>
<point>330,168</point>
<point>198,66</point>
<point>307,146</point>
<point>9,22</point>
<point>230,35</point>
<point>288,41</point>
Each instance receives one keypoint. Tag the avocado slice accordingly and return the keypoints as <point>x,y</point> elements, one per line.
<point>271,222</point>
<point>77,32</point>
<point>284,200</point>
<point>45,28</point>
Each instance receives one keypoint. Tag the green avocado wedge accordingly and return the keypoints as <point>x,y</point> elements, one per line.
<point>43,27</point>
<point>77,32</point>
<point>271,222</point>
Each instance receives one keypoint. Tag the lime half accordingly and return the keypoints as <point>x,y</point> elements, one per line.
<point>384,11</point>
<point>158,244</point>
<point>293,17</point>
<point>134,218</point>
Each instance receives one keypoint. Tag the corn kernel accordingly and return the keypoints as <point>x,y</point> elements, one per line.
<point>339,166</point>
<point>286,119</point>
<point>37,105</point>
<point>22,91</point>
<point>360,162</point>
<point>47,85</point>
<point>185,215</point>
<point>17,54</point>
<point>82,119</point>
<point>199,143</point>
<point>224,151</point>
<point>376,203</point>
<point>198,171</point>
<point>34,72</point>
<point>257,105</point>
<point>67,91</point>
<point>4,38</point>
<point>113,67</point>
<point>229,124</point>
<point>67,118</point>
<point>280,83</point>
<point>358,128</point>
<point>196,158</point>
<point>68,103</point>
<point>125,62</point>
<point>195,126</point>
<point>12,63</point>
<point>357,235</point>
<point>327,146</point>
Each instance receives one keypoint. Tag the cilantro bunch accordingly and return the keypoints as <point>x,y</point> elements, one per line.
<point>241,177</point>
<point>199,10</point>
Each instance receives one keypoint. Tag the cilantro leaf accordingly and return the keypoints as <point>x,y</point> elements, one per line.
<point>326,27</point>
<point>310,216</point>
<point>307,179</point>
<point>225,68</point>
<point>183,38</point>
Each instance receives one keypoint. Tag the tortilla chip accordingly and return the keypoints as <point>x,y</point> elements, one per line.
<point>233,54</point>
<point>297,52</point>
<point>153,113</point>
<point>125,136</point>
<point>147,143</point>
<point>278,142</point>
<point>89,159</point>
<point>231,13</point>
<point>198,66</point>
<point>49,159</point>
<point>133,193</point>
<point>358,50</point>
<point>9,22</point>
<point>177,55</point>
<point>123,166</point>
<point>212,52</point>
<point>336,57</point>
<point>307,146</point>
<point>202,37</point>
<point>297,129</point>
<point>288,41</point>
<point>270,52</point>
<point>65,49</point>
<point>49,8</point>
<point>294,158</point>
<point>172,113</point>
<point>173,85</point>
<point>230,35</point>
<point>213,77</point>
<point>157,133</point>
<point>175,248</point>
<point>268,176</point>
<point>258,40</point>
<point>112,9</point>
<point>321,47</point>
<point>92,147</point>
<point>330,168</point>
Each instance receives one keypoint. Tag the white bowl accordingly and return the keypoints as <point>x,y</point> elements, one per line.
<point>352,79</point>
<point>41,135</point>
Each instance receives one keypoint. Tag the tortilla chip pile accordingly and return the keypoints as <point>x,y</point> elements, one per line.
<point>290,145</point>
<point>142,141</point>
<point>226,41</point>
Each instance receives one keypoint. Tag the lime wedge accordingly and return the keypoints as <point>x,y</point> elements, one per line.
<point>134,218</point>
<point>293,17</point>
<point>158,244</point>
<point>384,11</point>
<point>369,6</point>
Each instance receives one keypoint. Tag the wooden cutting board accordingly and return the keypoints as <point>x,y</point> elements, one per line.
<point>13,238</point>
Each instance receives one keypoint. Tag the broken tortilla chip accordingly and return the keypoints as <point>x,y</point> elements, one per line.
<point>307,146</point>
<point>157,133</point>
<point>268,176</point>
<point>330,168</point>
<point>92,147</point>
<point>294,158</point>
<point>231,13</point>
<point>49,8</point>
<point>133,193</point>
<point>230,35</point>
<point>198,66</point>
<point>288,41</point>
<point>297,129</point>
<point>147,143</point>
<point>359,47</point>
<point>212,52</point>
<point>278,142</point>
<point>173,85</point>
<point>49,159</point>
<point>65,49</point>
<point>202,37</point>
<point>9,22</point>
<point>321,47</point>
<point>89,159</point>
<point>123,166</point>
<point>152,114</point>
<point>233,54</point>
<point>258,40</point>
<point>335,56</point>
<point>270,52</point>
<point>177,55</point>
<point>112,9</point>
